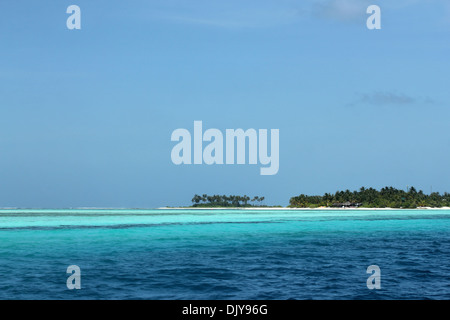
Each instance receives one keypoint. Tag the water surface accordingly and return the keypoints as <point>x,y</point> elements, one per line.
<point>224,254</point>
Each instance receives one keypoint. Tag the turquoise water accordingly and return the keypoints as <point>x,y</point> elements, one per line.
<point>224,254</point>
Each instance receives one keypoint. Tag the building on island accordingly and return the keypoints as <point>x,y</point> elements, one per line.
<point>347,204</point>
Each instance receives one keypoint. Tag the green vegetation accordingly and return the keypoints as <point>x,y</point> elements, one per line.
<point>372,198</point>
<point>225,201</point>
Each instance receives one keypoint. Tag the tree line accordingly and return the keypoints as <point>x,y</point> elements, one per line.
<point>226,201</point>
<point>372,198</point>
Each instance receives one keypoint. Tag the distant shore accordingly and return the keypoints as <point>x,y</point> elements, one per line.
<point>298,209</point>
<point>231,208</point>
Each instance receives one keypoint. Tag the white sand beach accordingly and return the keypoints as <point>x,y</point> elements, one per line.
<point>299,209</point>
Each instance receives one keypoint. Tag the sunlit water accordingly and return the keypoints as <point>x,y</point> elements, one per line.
<point>224,254</point>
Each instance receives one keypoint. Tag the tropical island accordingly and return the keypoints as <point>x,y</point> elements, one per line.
<point>387,197</point>
<point>223,201</point>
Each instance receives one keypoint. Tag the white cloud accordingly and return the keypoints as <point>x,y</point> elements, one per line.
<point>341,10</point>
<point>380,98</point>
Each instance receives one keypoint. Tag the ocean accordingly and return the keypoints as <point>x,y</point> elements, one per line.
<point>224,254</point>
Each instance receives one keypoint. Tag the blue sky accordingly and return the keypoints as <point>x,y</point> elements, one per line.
<point>86,115</point>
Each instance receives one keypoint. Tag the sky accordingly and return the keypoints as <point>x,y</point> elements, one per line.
<point>86,115</point>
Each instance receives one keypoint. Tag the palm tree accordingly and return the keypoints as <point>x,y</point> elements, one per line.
<point>261,199</point>
<point>327,197</point>
<point>196,199</point>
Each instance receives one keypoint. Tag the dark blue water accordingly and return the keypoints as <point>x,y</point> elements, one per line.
<point>125,254</point>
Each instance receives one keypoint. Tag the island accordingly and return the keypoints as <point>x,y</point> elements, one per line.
<point>387,197</point>
<point>223,201</point>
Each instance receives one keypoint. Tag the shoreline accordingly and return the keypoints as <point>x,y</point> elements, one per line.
<point>234,208</point>
<point>299,209</point>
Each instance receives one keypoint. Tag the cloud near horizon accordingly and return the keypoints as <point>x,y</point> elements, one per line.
<point>380,98</point>
<point>258,13</point>
<point>341,10</point>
